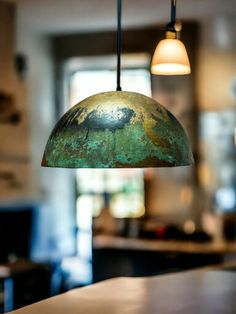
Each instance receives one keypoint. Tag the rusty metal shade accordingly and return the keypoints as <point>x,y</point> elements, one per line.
<point>117,130</point>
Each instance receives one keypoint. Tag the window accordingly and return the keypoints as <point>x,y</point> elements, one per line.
<point>122,190</point>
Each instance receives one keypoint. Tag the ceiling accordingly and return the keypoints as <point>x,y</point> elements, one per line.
<point>66,16</point>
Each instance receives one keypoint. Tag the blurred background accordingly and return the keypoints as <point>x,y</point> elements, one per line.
<point>61,228</point>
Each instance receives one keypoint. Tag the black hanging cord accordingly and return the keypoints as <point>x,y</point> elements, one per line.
<point>171,25</point>
<point>118,44</point>
<point>173,11</point>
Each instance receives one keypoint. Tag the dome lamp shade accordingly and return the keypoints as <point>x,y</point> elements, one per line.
<point>117,130</point>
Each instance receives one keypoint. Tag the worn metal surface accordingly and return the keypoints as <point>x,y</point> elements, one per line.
<point>117,130</point>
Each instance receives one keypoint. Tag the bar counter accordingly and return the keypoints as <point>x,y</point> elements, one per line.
<point>218,247</point>
<point>191,292</point>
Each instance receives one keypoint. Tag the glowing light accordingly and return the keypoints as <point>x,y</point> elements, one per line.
<point>170,58</point>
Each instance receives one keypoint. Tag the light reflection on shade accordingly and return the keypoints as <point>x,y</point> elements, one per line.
<point>170,69</point>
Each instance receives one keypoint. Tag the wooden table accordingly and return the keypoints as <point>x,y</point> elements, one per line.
<point>192,292</point>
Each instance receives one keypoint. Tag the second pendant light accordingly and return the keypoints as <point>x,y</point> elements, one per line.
<point>170,56</point>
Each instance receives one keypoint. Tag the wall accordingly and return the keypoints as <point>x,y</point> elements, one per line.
<point>15,164</point>
<point>216,86</point>
<point>217,66</point>
<point>53,188</point>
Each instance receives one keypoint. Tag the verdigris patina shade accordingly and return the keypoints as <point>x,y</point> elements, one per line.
<point>117,130</point>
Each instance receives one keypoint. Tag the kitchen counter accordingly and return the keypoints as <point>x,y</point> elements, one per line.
<point>214,247</point>
<point>190,292</point>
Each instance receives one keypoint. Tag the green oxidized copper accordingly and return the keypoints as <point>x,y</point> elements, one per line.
<point>117,130</point>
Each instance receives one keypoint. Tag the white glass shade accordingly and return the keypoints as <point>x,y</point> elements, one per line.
<point>170,58</point>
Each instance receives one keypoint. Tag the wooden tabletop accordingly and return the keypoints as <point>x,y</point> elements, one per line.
<point>190,292</point>
<point>214,247</point>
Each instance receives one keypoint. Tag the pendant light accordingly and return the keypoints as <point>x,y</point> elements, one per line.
<point>117,129</point>
<point>170,56</point>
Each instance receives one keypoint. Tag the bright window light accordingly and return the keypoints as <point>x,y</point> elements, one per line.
<point>226,198</point>
<point>87,83</point>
